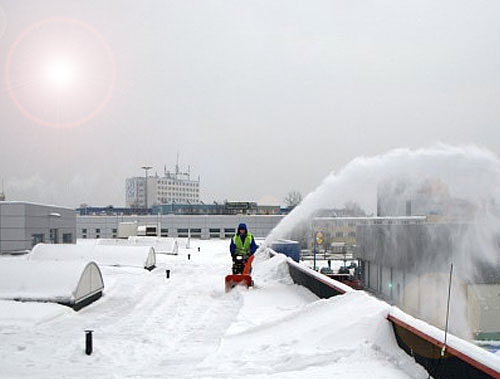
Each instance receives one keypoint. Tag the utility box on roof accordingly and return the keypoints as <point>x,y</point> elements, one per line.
<point>127,229</point>
<point>289,248</point>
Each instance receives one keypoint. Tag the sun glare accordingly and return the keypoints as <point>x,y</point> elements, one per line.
<point>60,73</point>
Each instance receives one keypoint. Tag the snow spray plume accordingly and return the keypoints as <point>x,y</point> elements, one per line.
<point>462,184</point>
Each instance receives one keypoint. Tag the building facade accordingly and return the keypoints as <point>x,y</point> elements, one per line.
<point>431,198</point>
<point>172,187</point>
<point>180,209</point>
<point>182,226</point>
<point>23,225</point>
<point>343,230</point>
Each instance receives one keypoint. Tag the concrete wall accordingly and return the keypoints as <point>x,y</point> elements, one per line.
<point>204,227</point>
<point>23,224</point>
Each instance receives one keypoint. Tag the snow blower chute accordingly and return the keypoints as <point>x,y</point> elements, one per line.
<point>241,273</point>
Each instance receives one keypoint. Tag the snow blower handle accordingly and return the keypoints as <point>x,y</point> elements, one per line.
<point>248,266</point>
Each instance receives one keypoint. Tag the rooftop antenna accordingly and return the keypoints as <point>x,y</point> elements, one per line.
<point>2,194</point>
<point>177,165</point>
<point>447,312</point>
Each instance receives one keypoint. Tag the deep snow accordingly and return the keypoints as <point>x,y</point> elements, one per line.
<point>187,326</point>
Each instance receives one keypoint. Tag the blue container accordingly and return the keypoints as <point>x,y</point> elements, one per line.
<point>289,248</point>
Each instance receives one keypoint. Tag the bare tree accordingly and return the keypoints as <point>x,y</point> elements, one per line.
<point>293,199</point>
<point>353,209</point>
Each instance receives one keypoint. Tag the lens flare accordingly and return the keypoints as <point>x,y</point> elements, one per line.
<point>3,22</point>
<point>60,72</point>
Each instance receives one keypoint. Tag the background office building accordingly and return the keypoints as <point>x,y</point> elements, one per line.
<point>429,197</point>
<point>172,187</point>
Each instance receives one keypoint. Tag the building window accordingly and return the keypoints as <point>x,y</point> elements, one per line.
<point>67,238</point>
<point>53,236</point>
<point>98,231</point>
<point>37,238</point>
<point>114,231</point>
<point>84,231</point>
<point>339,235</point>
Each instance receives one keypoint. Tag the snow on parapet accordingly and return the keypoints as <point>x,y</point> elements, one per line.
<point>266,271</point>
<point>134,256</point>
<point>162,245</point>
<point>340,287</point>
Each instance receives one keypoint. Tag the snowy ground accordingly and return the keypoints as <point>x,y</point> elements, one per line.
<point>187,326</point>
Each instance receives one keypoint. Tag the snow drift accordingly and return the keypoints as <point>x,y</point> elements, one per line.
<point>134,256</point>
<point>162,245</point>
<point>71,283</point>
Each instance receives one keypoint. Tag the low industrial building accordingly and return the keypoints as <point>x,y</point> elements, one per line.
<point>226,208</point>
<point>24,224</point>
<point>178,226</point>
<point>342,230</point>
<point>409,266</point>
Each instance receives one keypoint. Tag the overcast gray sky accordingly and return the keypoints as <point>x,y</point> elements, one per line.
<point>259,97</point>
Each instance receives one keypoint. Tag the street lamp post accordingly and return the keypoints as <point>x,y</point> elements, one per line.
<point>146,169</point>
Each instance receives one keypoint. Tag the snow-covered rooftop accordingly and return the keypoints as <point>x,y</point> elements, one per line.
<point>187,326</point>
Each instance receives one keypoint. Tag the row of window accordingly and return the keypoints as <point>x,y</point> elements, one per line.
<point>187,195</point>
<point>164,200</point>
<point>178,183</point>
<point>181,232</point>
<point>342,235</point>
<point>369,222</point>
<point>53,237</point>
<point>167,189</point>
<point>171,194</point>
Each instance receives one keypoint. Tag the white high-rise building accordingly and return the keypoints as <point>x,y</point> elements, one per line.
<point>177,187</point>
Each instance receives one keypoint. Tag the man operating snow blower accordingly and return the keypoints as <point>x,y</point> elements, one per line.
<point>242,248</point>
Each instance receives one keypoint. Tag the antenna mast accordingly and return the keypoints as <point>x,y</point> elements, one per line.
<point>2,194</point>
<point>177,165</point>
<point>447,312</point>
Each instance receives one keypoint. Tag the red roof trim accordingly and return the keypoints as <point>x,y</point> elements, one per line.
<point>493,373</point>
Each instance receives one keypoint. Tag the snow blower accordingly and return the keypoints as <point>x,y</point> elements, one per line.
<point>241,273</point>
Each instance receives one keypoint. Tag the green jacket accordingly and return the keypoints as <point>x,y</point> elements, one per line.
<point>242,247</point>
